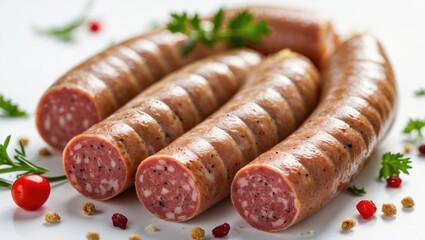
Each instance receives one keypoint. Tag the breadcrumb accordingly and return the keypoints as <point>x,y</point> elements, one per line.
<point>44,152</point>
<point>93,236</point>
<point>408,202</point>
<point>51,217</point>
<point>389,209</point>
<point>407,148</point>
<point>134,237</point>
<point>24,141</point>
<point>348,224</point>
<point>151,228</point>
<point>88,208</point>
<point>197,233</point>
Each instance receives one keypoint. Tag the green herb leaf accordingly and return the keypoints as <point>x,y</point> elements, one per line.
<point>393,164</point>
<point>218,20</point>
<point>20,164</point>
<point>65,33</point>
<point>356,191</point>
<point>11,109</point>
<point>178,23</point>
<point>420,92</point>
<point>241,29</point>
<point>414,125</point>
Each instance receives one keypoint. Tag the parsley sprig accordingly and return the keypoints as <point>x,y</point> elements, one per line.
<point>21,164</point>
<point>65,32</point>
<point>356,191</point>
<point>393,164</point>
<point>11,109</point>
<point>414,125</point>
<point>240,29</point>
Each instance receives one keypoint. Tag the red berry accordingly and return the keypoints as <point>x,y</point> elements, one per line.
<point>394,181</point>
<point>119,220</point>
<point>421,149</point>
<point>94,26</point>
<point>221,231</point>
<point>366,208</point>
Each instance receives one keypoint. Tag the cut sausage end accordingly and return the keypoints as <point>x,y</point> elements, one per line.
<point>262,196</point>
<point>95,167</point>
<point>64,113</point>
<point>167,189</point>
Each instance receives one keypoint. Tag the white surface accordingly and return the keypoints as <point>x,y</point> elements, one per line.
<point>30,63</point>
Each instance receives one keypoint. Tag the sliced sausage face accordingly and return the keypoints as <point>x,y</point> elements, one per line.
<point>264,196</point>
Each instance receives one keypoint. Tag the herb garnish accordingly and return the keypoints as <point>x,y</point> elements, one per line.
<point>420,92</point>
<point>356,191</point>
<point>11,109</point>
<point>414,125</point>
<point>240,30</point>
<point>393,164</point>
<point>20,164</point>
<point>65,33</point>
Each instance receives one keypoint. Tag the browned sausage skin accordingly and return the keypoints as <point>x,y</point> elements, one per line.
<point>305,31</point>
<point>101,162</point>
<point>304,172</point>
<point>195,171</point>
<point>94,89</point>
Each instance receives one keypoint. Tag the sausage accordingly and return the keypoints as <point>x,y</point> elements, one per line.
<point>305,31</point>
<point>195,171</point>
<point>91,91</point>
<point>305,171</point>
<point>101,162</point>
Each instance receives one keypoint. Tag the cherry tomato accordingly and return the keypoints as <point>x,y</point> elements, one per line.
<point>31,191</point>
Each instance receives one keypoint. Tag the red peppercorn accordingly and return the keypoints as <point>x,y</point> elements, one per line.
<point>94,26</point>
<point>119,220</point>
<point>366,208</point>
<point>394,181</point>
<point>421,149</point>
<point>221,231</point>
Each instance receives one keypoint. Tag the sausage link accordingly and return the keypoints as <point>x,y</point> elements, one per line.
<point>304,172</point>
<point>101,162</point>
<point>304,31</point>
<point>74,102</point>
<point>195,171</point>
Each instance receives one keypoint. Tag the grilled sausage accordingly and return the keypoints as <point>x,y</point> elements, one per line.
<point>305,31</point>
<point>304,172</point>
<point>195,171</point>
<point>101,162</point>
<point>91,91</point>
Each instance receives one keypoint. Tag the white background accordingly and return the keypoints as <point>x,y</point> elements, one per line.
<point>29,63</point>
